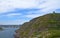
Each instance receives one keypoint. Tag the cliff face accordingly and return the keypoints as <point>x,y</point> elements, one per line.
<point>46,26</point>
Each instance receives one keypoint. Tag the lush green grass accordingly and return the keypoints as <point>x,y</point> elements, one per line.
<point>54,33</point>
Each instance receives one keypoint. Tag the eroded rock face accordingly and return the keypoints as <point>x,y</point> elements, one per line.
<point>16,35</point>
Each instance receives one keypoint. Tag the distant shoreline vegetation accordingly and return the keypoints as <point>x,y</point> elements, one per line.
<point>10,26</point>
<point>1,28</point>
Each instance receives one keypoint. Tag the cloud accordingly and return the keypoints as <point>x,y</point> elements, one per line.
<point>13,22</point>
<point>13,14</point>
<point>45,5</point>
<point>10,15</point>
<point>50,5</point>
<point>9,5</point>
<point>24,10</point>
<point>33,15</point>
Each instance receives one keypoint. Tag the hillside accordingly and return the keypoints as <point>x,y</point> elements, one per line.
<point>46,26</point>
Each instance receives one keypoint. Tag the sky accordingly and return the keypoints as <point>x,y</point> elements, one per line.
<point>16,12</point>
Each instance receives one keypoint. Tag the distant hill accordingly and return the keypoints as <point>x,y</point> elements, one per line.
<point>10,26</point>
<point>46,26</point>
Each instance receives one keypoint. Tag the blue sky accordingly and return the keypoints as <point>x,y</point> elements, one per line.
<point>19,11</point>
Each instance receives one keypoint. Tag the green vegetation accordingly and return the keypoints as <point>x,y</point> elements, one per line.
<point>1,28</point>
<point>46,26</point>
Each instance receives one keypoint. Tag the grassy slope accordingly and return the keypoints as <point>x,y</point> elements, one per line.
<point>47,26</point>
